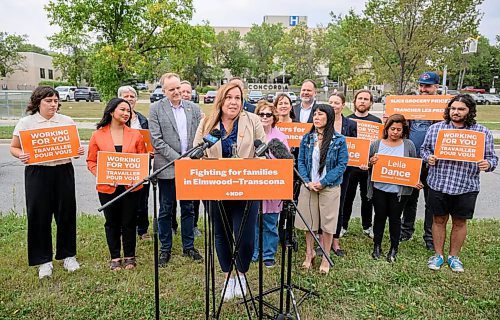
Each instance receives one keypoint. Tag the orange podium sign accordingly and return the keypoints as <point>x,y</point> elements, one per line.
<point>359,150</point>
<point>397,170</point>
<point>422,107</point>
<point>369,130</point>
<point>460,145</point>
<point>122,168</point>
<point>234,179</point>
<point>294,131</point>
<point>49,144</point>
<point>146,136</point>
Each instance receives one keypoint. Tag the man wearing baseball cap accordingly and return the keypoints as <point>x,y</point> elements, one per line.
<point>428,84</point>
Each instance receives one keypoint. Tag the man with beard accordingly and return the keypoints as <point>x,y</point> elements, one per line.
<point>304,110</point>
<point>363,101</point>
<point>428,84</point>
<point>454,185</point>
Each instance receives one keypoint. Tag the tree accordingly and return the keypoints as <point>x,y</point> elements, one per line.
<point>404,35</point>
<point>229,54</point>
<point>260,43</point>
<point>28,47</point>
<point>10,58</point>
<point>122,36</point>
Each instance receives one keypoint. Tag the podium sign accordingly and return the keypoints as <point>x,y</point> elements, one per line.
<point>234,179</point>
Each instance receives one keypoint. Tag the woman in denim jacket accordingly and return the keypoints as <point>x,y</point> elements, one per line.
<point>322,161</point>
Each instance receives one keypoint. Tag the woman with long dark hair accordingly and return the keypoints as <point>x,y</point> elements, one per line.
<point>322,162</point>
<point>113,134</point>
<point>49,188</point>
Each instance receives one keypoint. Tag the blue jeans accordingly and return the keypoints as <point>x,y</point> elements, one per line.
<point>167,200</point>
<point>269,237</point>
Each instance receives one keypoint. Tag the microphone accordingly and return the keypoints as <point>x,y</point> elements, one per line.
<point>280,151</point>
<point>210,139</point>
<point>260,148</point>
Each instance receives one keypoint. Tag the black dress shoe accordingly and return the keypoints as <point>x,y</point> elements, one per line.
<point>377,251</point>
<point>391,256</point>
<point>164,259</point>
<point>339,252</point>
<point>429,245</point>
<point>193,254</point>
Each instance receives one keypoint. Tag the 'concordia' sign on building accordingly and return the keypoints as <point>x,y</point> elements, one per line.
<point>268,86</point>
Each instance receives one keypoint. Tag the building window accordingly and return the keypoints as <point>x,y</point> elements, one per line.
<point>51,74</point>
<point>42,73</point>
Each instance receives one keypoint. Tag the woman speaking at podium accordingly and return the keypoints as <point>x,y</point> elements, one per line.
<point>322,162</point>
<point>239,130</point>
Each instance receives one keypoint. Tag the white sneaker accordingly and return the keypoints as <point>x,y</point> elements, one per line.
<point>342,232</point>
<point>237,288</point>
<point>229,294</point>
<point>45,270</point>
<point>368,232</point>
<point>71,264</point>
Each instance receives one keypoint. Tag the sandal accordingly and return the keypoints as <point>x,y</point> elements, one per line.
<point>115,265</point>
<point>129,263</point>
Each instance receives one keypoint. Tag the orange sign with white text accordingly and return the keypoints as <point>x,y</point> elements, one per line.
<point>369,130</point>
<point>294,131</point>
<point>421,107</point>
<point>460,145</point>
<point>359,150</point>
<point>49,144</point>
<point>121,168</point>
<point>397,170</point>
<point>234,179</point>
<point>146,136</point>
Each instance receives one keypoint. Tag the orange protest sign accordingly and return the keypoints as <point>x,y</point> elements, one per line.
<point>422,107</point>
<point>294,131</point>
<point>397,170</point>
<point>146,136</point>
<point>369,130</point>
<point>460,145</point>
<point>359,150</point>
<point>122,168</point>
<point>234,179</point>
<point>49,144</point>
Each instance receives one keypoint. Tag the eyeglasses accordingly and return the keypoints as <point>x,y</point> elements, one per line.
<point>265,115</point>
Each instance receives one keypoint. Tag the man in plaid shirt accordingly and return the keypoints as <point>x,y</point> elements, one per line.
<point>454,185</point>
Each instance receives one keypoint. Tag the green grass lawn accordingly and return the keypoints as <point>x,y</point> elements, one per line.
<point>356,288</point>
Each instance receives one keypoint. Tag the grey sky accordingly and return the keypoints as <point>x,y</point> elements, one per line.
<point>28,16</point>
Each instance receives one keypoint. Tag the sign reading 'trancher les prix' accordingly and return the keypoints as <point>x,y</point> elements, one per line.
<point>420,107</point>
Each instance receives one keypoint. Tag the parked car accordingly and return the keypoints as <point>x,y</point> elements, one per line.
<point>87,94</point>
<point>292,96</point>
<point>209,97</point>
<point>477,97</point>
<point>141,86</point>
<point>156,95</point>
<point>453,92</point>
<point>270,97</point>
<point>474,90</point>
<point>255,96</point>
<point>491,98</point>
<point>195,97</point>
<point>66,93</point>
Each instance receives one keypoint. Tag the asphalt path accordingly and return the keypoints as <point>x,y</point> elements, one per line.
<point>12,189</point>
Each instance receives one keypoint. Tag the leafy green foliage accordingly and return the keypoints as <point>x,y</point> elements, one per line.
<point>53,84</point>
<point>28,47</point>
<point>10,59</point>
<point>229,53</point>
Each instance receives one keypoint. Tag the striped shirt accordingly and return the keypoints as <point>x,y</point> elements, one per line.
<point>456,177</point>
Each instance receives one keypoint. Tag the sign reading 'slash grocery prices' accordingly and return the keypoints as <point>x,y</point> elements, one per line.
<point>268,86</point>
<point>460,145</point>
<point>294,131</point>
<point>121,168</point>
<point>397,170</point>
<point>358,150</point>
<point>421,107</point>
<point>234,179</point>
<point>369,130</point>
<point>49,144</point>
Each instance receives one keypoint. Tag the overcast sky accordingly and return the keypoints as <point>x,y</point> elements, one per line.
<point>28,16</point>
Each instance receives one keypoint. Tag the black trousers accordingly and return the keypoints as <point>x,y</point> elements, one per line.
<point>50,191</point>
<point>387,205</point>
<point>343,191</point>
<point>142,210</point>
<point>357,176</point>
<point>120,222</point>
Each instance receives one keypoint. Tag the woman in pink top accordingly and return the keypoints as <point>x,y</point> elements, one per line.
<point>271,208</point>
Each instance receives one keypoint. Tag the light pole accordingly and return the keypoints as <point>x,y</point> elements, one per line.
<point>493,85</point>
<point>284,65</point>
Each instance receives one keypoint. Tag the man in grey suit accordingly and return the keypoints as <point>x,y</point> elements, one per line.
<point>173,123</point>
<point>305,109</point>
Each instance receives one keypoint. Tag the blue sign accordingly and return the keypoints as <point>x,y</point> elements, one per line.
<point>294,20</point>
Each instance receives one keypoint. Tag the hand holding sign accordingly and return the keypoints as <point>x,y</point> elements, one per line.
<point>483,165</point>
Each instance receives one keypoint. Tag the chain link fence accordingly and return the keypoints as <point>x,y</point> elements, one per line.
<point>13,103</point>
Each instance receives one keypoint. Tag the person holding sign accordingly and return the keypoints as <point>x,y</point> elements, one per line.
<point>113,134</point>
<point>454,184</point>
<point>283,105</point>
<point>389,199</point>
<point>363,100</point>
<point>138,121</point>
<point>270,208</point>
<point>239,131</point>
<point>322,162</point>
<point>49,188</point>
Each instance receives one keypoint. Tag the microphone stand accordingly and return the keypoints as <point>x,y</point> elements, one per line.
<point>153,178</point>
